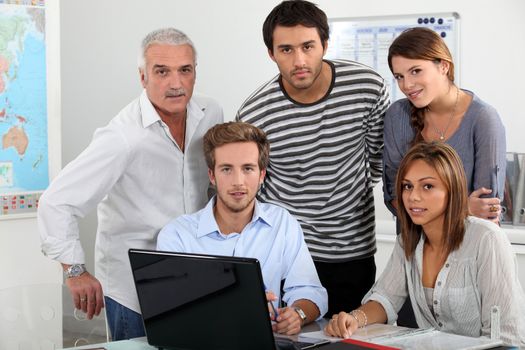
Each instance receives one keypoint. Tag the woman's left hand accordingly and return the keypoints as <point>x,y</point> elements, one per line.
<point>485,208</point>
<point>341,325</point>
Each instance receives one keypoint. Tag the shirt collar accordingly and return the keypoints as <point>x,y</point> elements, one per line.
<point>260,214</point>
<point>208,225</point>
<point>150,115</point>
<point>418,253</point>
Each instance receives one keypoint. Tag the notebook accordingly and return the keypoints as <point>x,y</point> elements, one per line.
<point>194,301</point>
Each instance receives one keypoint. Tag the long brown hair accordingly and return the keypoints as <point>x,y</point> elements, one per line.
<point>446,162</point>
<point>420,44</point>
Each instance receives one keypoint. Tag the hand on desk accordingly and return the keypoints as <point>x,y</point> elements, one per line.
<point>86,292</point>
<point>342,325</point>
<point>288,322</point>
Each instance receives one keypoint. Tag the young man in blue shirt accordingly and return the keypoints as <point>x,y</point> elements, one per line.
<point>234,223</point>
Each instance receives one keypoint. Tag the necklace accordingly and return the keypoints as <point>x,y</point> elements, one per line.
<point>441,133</point>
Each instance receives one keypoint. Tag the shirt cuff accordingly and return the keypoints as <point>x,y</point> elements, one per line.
<point>66,252</point>
<point>316,295</point>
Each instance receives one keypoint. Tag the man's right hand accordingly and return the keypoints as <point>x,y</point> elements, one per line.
<point>86,292</point>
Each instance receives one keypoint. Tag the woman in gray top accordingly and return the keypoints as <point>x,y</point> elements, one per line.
<point>460,272</point>
<point>436,109</point>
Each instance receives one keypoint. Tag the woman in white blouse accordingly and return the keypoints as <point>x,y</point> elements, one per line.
<point>458,269</point>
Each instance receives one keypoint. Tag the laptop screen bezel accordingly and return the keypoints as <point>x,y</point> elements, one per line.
<point>249,314</point>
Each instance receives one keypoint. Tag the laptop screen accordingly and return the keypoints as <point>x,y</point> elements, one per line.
<point>193,301</point>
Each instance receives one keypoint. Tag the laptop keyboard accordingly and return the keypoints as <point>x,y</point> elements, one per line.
<point>287,344</point>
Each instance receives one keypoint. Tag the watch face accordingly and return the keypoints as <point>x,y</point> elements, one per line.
<point>75,270</point>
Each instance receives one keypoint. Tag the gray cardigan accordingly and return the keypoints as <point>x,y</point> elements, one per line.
<point>479,141</point>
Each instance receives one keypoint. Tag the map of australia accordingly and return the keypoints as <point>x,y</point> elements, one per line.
<point>23,100</point>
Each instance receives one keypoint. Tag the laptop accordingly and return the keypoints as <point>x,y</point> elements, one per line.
<point>195,301</point>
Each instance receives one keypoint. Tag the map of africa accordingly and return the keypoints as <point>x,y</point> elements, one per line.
<point>23,100</point>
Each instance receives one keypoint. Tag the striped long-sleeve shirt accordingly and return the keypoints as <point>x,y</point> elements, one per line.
<point>325,158</point>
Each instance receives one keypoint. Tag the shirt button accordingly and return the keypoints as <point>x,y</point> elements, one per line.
<point>437,315</point>
<point>440,324</point>
<point>447,265</point>
<point>435,302</point>
<point>439,283</point>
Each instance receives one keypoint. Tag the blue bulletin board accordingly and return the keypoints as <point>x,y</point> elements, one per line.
<point>367,39</point>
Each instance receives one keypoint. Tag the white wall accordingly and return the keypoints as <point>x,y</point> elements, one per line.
<point>30,284</point>
<point>100,42</point>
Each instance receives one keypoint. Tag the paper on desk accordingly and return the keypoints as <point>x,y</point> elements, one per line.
<point>369,333</point>
<point>378,332</point>
<point>420,338</point>
<point>412,338</point>
<point>318,335</point>
<point>437,340</point>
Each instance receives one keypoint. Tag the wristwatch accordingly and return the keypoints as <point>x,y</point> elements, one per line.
<point>75,270</point>
<point>301,313</point>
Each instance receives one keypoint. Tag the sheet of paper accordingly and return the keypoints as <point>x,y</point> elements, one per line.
<point>381,331</point>
<point>440,340</point>
<point>410,338</point>
<point>318,335</point>
<point>369,333</point>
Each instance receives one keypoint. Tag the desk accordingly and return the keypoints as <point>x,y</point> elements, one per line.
<point>142,344</point>
<point>132,344</point>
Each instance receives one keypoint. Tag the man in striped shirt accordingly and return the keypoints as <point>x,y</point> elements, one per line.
<point>324,121</point>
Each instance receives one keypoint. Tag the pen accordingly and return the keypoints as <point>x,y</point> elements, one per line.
<point>274,310</point>
<point>275,313</point>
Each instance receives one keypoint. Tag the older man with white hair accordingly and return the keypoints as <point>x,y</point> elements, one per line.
<point>141,170</point>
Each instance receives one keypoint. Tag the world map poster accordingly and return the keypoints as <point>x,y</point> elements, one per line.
<point>23,98</point>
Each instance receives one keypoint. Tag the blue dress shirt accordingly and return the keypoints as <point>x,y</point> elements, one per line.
<point>273,237</point>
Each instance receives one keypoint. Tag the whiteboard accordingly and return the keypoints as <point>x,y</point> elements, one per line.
<point>367,39</point>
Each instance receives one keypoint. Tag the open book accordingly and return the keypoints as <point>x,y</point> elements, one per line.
<point>413,338</point>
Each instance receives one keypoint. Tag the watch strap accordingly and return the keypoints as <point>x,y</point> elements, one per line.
<point>301,314</point>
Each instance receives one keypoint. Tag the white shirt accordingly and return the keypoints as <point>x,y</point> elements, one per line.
<point>140,180</point>
<point>480,274</point>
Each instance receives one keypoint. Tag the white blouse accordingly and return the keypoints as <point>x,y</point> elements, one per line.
<point>480,274</point>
